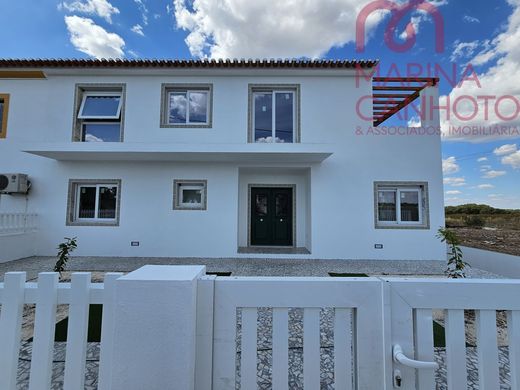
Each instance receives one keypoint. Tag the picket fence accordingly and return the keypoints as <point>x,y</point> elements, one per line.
<point>382,330</point>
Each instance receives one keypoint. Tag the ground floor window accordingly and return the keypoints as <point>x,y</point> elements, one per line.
<point>401,204</point>
<point>189,194</point>
<point>94,202</point>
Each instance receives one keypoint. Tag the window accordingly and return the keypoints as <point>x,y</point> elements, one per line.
<point>4,107</point>
<point>274,114</point>
<point>401,204</point>
<point>99,113</point>
<point>186,105</point>
<point>93,202</point>
<point>189,194</point>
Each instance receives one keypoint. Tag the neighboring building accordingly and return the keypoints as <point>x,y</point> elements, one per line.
<point>219,159</point>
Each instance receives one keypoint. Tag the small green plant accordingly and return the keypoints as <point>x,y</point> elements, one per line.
<point>474,221</point>
<point>64,251</point>
<point>456,264</point>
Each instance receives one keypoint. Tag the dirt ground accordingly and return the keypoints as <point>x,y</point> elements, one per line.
<point>498,240</point>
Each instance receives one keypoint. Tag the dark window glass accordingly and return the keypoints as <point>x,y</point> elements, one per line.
<point>261,204</point>
<point>101,106</point>
<point>192,196</point>
<point>101,132</point>
<point>87,202</point>
<point>282,205</point>
<point>386,206</point>
<point>284,117</point>
<point>178,107</point>
<point>107,202</point>
<point>1,114</point>
<point>198,107</point>
<point>409,206</point>
<point>263,106</point>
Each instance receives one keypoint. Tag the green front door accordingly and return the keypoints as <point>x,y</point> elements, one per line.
<point>271,216</point>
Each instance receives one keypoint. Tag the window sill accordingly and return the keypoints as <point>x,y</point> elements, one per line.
<point>187,126</point>
<point>105,224</point>
<point>404,227</point>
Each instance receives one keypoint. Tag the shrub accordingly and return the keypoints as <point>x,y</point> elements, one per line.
<point>474,221</point>
<point>64,251</point>
<point>456,264</point>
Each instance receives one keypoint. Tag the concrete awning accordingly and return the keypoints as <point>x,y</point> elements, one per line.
<point>241,153</point>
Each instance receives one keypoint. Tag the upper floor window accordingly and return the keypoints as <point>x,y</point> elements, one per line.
<point>186,105</point>
<point>274,113</point>
<point>402,204</point>
<point>99,113</point>
<point>4,107</point>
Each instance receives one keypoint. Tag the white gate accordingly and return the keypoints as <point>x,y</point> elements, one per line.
<point>245,308</point>
<point>381,332</point>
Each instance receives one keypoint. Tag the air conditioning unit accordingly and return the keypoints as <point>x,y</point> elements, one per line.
<point>13,183</point>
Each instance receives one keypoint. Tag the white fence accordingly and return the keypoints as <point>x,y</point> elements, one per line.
<point>171,327</point>
<point>498,263</point>
<point>18,235</point>
<point>47,294</point>
<point>13,223</point>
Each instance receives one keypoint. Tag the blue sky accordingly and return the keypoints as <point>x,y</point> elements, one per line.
<point>483,34</point>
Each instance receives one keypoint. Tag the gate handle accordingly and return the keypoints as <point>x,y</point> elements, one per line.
<point>400,357</point>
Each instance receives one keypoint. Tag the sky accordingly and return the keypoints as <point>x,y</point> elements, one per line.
<point>478,61</point>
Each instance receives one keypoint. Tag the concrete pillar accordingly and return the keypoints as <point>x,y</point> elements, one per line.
<point>154,332</point>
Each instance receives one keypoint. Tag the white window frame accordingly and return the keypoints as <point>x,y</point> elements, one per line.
<point>188,92</point>
<point>101,93</point>
<point>96,210</point>
<point>195,187</point>
<point>398,190</point>
<point>273,119</point>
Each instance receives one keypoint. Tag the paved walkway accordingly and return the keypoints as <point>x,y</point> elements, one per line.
<point>244,266</point>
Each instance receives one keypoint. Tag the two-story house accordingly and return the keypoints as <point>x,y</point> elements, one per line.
<point>241,158</point>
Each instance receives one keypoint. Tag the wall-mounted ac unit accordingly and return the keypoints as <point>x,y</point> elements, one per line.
<point>13,183</point>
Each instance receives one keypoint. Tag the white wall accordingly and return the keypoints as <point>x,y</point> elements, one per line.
<point>338,224</point>
<point>17,246</point>
<point>498,263</point>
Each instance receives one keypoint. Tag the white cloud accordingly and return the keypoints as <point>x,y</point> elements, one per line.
<point>493,174</point>
<point>463,49</point>
<point>89,38</point>
<point>101,8</point>
<point>513,160</point>
<point>495,81</point>
<point>269,28</point>
<point>505,149</point>
<point>453,192</point>
<point>138,29</point>
<point>485,186</point>
<point>143,9</point>
<point>482,159</point>
<point>450,166</point>
<point>470,19</point>
<point>455,181</point>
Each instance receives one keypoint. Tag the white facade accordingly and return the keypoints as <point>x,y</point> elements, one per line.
<point>332,169</point>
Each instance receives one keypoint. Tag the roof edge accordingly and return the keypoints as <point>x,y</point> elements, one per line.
<point>180,63</point>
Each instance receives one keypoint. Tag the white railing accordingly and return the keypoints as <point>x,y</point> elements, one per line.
<point>16,223</point>
<point>171,324</point>
<point>47,294</point>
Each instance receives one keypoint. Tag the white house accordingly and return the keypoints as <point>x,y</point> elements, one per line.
<point>240,158</point>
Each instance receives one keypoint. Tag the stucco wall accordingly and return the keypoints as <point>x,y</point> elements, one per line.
<point>339,223</point>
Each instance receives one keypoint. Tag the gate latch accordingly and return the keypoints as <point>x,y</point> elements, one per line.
<point>397,379</point>
<point>400,357</point>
